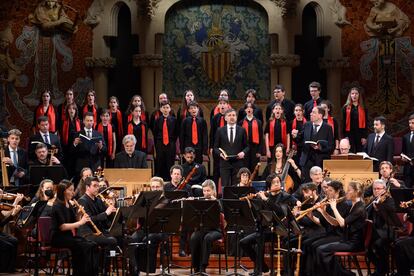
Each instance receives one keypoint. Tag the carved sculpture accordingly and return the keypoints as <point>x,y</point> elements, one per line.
<point>93,15</point>
<point>338,13</point>
<point>8,70</point>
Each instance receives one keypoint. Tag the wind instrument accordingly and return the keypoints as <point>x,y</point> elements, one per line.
<point>298,255</point>
<point>278,264</point>
<point>52,152</point>
<point>253,175</point>
<point>82,211</point>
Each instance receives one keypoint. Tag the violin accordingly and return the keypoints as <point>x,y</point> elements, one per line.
<point>6,206</point>
<point>10,196</point>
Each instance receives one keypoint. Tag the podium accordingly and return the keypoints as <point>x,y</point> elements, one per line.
<point>129,179</point>
<point>346,170</point>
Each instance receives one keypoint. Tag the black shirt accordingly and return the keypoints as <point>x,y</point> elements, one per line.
<point>61,215</point>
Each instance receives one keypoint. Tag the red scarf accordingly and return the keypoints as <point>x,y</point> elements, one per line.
<point>119,120</point>
<point>361,117</point>
<point>331,123</point>
<point>143,133</point>
<point>51,115</point>
<point>94,111</point>
<point>295,122</point>
<point>110,136</point>
<point>221,124</point>
<point>65,130</point>
<point>63,112</point>
<point>255,130</point>
<point>272,132</point>
<point>143,116</point>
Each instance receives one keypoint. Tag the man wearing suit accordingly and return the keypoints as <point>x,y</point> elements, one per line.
<point>232,139</point>
<point>408,149</point>
<point>16,158</point>
<point>314,91</point>
<point>315,130</point>
<point>88,153</point>
<point>129,157</point>
<point>379,144</point>
<point>45,137</point>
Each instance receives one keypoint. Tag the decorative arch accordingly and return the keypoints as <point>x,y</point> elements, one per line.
<point>113,23</point>
<point>319,17</point>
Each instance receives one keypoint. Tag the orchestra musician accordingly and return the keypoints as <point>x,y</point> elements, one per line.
<point>198,176</point>
<point>16,158</point>
<point>244,177</point>
<point>353,228</point>
<point>316,176</point>
<point>408,149</point>
<point>344,146</point>
<point>45,193</point>
<point>404,249</point>
<point>44,136</point>
<point>201,240</point>
<point>130,157</point>
<point>8,243</point>
<point>81,187</point>
<point>64,222</point>
<point>42,159</point>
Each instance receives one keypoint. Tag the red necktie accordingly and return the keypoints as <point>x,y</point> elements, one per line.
<point>194,132</point>
<point>222,121</point>
<point>165,139</point>
<point>314,103</point>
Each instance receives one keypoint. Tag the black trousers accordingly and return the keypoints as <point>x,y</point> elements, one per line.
<point>251,160</point>
<point>378,254</point>
<point>200,245</point>
<point>8,252</point>
<point>141,251</point>
<point>85,255</point>
<point>165,158</point>
<point>404,255</point>
<point>249,243</point>
<point>327,264</point>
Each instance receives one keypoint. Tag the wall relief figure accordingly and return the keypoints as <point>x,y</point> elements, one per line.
<point>93,15</point>
<point>338,12</point>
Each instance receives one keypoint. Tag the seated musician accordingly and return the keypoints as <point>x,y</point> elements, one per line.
<point>84,252</point>
<point>98,213</point>
<point>353,233</point>
<point>41,158</point>
<point>244,176</point>
<point>387,175</point>
<point>176,173</point>
<point>317,177</point>
<point>44,193</point>
<point>8,243</point>
<point>81,188</point>
<point>16,159</point>
<point>404,249</point>
<point>200,173</point>
<point>275,200</point>
<point>129,157</point>
<point>382,234</point>
<point>344,146</point>
<point>201,241</point>
<point>331,232</point>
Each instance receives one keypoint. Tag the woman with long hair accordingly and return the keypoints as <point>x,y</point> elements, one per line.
<point>90,105</point>
<point>46,108</point>
<point>276,131</point>
<point>116,119</point>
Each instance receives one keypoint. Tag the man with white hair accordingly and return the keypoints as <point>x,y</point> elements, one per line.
<point>129,157</point>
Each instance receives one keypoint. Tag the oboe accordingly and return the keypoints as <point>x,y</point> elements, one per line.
<point>81,210</point>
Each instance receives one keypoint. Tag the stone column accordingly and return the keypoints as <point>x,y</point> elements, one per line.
<point>151,77</point>
<point>282,67</point>
<point>100,76</point>
<point>334,68</point>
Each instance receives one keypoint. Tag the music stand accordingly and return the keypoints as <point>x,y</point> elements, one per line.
<point>237,213</point>
<point>38,173</point>
<point>165,221</point>
<point>233,192</point>
<point>201,214</point>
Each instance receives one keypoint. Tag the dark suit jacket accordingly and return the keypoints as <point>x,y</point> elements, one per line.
<point>308,153</point>
<point>54,140</point>
<point>22,161</point>
<point>138,160</point>
<point>408,149</point>
<point>239,144</point>
<point>384,150</point>
<point>88,154</point>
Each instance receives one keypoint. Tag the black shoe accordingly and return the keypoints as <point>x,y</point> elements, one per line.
<point>181,253</point>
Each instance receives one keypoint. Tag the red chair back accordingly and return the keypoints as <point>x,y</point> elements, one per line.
<point>44,225</point>
<point>367,233</point>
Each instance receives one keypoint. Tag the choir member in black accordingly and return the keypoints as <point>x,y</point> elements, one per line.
<point>276,201</point>
<point>201,240</point>
<point>231,140</point>
<point>408,150</point>
<point>130,157</point>
<point>355,120</point>
<point>61,109</point>
<point>331,233</point>
<point>81,187</point>
<point>46,108</point>
<point>279,97</point>
<point>254,130</point>
<point>99,213</point>
<point>162,98</point>
<point>380,145</point>
<point>165,136</point>
<point>45,136</point>
<point>64,222</point>
<point>88,153</point>
<point>314,91</point>
<point>106,129</point>
<point>137,100</point>
<point>217,122</point>
<point>353,233</point>
<point>8,243</point>
<point>183,110</point>
<point>293,177</point>
<point>382,233</point>
<point>250,97</point>
<point>116,118</point>
<point>70,126</point>
<point>276,131</point>
<point>200,173</point>
<point>404,249</point>
<point>223,94</point>
<point>90,106</point>
<point>139,129</point>
<point>319,132</point>
<point>15,158</point>
<point>332,122</point>
<point>296,127</point>
<point>194,132</point>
